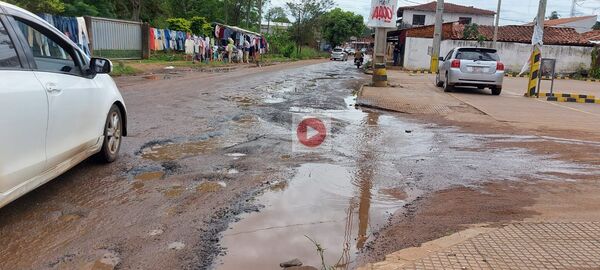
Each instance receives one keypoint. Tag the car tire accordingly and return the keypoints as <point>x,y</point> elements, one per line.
<point>113,135</point>
<point>496,91</point>
<point>447,87</point>
<point>438,82</point>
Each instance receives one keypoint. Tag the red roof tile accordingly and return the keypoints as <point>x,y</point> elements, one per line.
<point>523,34</point>
<point>450,8</point>
<point>592,35</point>
<point>561,21</point>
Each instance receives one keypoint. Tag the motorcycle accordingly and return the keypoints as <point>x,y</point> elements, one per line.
<point>358,62</point>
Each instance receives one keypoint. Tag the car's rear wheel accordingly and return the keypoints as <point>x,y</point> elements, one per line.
<point>113,130</point>
<point>496,91</point>
<point>447,86</point>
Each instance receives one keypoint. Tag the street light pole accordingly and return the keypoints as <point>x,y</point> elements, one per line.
<point>437,36</point>
<point>497,24</point>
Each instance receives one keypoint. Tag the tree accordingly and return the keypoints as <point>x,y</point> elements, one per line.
<point>338,26</point>
<point>179,24</point>
<point>554,15</point>
<point>200,26</point>
<point>597,26</point>
<point>307,14</point>
<point>275,14</point>
<point>40,6</point>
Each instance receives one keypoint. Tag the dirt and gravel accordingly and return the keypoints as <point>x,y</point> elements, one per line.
<point>209,178</point>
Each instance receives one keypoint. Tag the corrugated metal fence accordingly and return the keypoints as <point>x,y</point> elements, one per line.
<point>116,39</point>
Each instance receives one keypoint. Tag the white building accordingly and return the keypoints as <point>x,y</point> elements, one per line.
<point>425,15</point>
<point>580,24</point>
<point>272,27</point>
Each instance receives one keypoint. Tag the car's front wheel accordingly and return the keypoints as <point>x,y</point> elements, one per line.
<point>438,82</point>
<point>113,132</point>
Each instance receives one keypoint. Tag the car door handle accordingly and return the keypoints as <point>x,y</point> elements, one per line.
<point>52,88</point>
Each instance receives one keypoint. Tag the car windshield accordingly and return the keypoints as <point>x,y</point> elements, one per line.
<point>477,55</point>
<point>337,50</point>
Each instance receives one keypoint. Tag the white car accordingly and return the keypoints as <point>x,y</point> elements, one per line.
<point>339,54</point>
<point>57,106</point>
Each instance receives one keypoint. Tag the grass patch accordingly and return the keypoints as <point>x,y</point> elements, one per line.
<point>121,69</point>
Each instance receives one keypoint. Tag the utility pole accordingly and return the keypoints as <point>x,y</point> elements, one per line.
<point>573,8</point>
<point>437,36</point>
<point>497,24</point>
<point>536,54</point>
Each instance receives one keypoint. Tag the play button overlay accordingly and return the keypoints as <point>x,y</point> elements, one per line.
<point>311,132</point>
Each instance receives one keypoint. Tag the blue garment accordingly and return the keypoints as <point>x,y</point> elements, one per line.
<point>167,39</point>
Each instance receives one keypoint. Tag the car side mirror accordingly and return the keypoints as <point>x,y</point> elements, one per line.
<point>441,59</point>
<point>100,66</point>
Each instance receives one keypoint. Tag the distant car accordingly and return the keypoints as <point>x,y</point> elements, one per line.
<point>339,54</point>
<point>58,107</point>
<point>351,51</point>
<point>478,67</point>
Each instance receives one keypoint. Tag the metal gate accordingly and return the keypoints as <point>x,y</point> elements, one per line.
<point>116,39</point>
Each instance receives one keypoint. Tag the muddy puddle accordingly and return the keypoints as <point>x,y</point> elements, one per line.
<point>377,164</point>
<point>174,151</point>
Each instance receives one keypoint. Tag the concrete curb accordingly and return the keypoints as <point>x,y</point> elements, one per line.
<point>548,78</point>
<point>575,98</point>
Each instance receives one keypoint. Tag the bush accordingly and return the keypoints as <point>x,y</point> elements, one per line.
<point>179,24</point>
<point>200,26</point>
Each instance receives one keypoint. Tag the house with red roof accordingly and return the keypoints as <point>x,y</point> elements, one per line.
<point>419,15</point>
<point>580,24</point>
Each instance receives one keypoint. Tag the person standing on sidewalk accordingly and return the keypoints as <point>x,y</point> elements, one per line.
<point>396,54</point>
<point>246,51</point>
<point>229,50</point>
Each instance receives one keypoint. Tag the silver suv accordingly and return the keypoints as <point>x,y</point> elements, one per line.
<point>478,67</point>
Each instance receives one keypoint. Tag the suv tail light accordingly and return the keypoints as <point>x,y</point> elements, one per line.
<point>455,63</point>
<point>500,66</point>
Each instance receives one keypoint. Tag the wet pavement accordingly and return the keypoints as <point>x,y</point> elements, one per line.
<point>208,178</point>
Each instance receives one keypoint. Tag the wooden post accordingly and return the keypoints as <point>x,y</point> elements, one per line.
<point>146,40</point>
<point>88,25</point>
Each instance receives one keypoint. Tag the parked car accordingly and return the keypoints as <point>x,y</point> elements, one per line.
<point>478,67</point>
<point>351,51</point>
<point>58,107</point>
<point>339,54</point>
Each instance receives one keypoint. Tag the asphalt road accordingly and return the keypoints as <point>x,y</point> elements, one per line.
<point>212,177</point>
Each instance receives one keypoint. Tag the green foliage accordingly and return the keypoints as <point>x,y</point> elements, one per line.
<point>276,14</point>
<point>40,6</point>
<point>471,32</point>
<point>554,15</point>
<point>200,26</point>
<point>338,26</point>
<point>307,15</point>
<point>179,24</point>
<point>597,26</point>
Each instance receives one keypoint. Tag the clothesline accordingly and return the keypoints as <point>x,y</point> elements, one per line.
<point>73,27</point>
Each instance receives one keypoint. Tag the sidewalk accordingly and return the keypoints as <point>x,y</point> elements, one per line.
<point>515,246</point>
<point>417,94</point>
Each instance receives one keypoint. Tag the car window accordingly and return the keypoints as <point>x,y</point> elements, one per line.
<point>49,55</point>
<point>337,50</point>
<point>477,55</point>
<point>449,55</point>
<point>8,53</point>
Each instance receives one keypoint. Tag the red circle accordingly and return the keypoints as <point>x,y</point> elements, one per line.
<point>317,125</point>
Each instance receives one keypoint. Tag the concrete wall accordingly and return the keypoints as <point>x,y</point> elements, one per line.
<point>513,55</point>
<point>448,17</point>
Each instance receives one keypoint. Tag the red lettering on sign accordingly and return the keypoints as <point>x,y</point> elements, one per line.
<point>384,13</point>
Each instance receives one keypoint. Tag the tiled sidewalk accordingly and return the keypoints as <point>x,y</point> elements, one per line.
<point>519,246</point>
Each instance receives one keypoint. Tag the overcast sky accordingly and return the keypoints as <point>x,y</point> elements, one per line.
<point>513,11</point>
